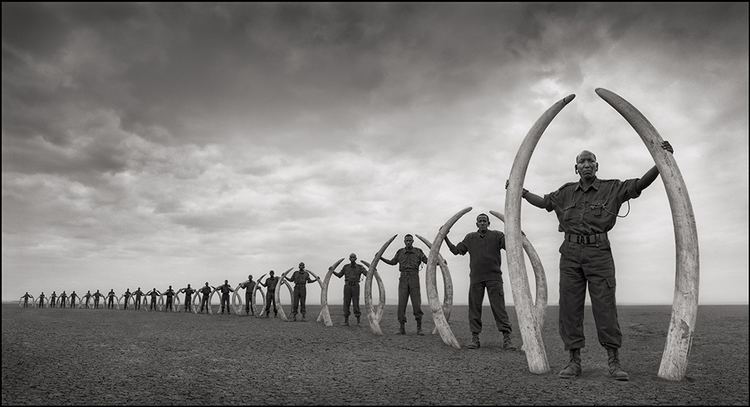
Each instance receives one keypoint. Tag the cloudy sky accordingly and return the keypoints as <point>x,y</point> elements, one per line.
<point>156,144</point>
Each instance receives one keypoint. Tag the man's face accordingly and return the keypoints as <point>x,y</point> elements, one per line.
<point>483,223</point>
<point>206,283</point>
<point>226,281</point>
<point>250,277</point>
<point>353,258</point>
<point>586,165</point>
<point>302,266</point>
<point>408,241</point>
<point>188,285</point>
<point>271,273</point>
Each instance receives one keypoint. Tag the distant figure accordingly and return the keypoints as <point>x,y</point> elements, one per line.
<point>300,278</point>
<point>111,299</point>
<point>63,299</point>
<point>87,296</point>
<point>154,294</point>
<point>41,300</point>
<point>127,296</point>
<point>205,296</point>
<point>249,287</point>
<point>73,297</point>
<point>225,289</point>
<point>170,294</point>
<point>52,299</point>
<point>270,284</point>
<point>138,294</point>
<point>97,295</point>
<point>409,260</point>
<point>353,273</point>
<point>188,297</point>
<point>26,299</point>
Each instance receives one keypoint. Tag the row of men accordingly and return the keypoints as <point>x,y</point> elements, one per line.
<point>586,210</point>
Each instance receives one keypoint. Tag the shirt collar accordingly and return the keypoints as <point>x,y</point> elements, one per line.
<point>594,185</point>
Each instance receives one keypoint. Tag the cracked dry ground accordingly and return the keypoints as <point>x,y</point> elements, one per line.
<point>54,356</point>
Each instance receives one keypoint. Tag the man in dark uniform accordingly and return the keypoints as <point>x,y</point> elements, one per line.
<point>300,278</point>
<point>73,297</point>
<point>127,296</point>
<point>63,299</point>
<point>353,273</point>
<point>484,247</point>
<point>52,300</point>
<point>87,296</point>
<point>138,294</point>
<point>153,293</point>
<point>188,297</point>
<point>169,293</point>
<point>205,295</point>
<point>111,299</point>
<point>41,300</point>
<point>225,289</point>
<point>97,295</point>
<point>409,260</point>
<point>249,286</point>
<point>587,210</point>
<point>26,299</point>
<point>270,284</point>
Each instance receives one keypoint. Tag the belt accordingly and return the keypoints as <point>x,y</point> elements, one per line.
<point>352,282</point>
<point>586,239</point>
<point>409,272</point>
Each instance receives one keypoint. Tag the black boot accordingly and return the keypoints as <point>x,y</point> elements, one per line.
<point>419,328</point>
<point>615,371</point>
<point>346,321</point>
<point>402,329</point>
<point>357,319</point>
<point>474,342</point>
<point>573,369</point>
<point>507,342</point>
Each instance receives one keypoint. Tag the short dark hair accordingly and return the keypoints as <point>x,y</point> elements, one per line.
<point>408,235</point>
<point>483,214</point>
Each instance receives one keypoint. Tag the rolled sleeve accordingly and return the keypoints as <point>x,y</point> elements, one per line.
<point>628,189</point>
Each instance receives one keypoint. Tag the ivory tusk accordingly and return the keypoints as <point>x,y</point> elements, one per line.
<point>277,292</point>
<point>263,296</point>
<point>687,276</point>
<point>196,296</point>
<point>531,333</point>
<point>325,314</point>
<point>381,293</point>
<point>431,276</point>
<point>235,296</point>
<point>372,314</point>
<point>447,284</point>
<point>540,277</point>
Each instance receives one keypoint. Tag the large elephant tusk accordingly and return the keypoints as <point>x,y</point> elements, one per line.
<point>277,292</point>
<point>263,296</point>
<point>381,293</point>
<point>447,284</point>
<point>199,297</point>
<point>325,313</point>
<point>531,333</point>
<point>431,276</point>
<point>372,313</point>
<point>540,277</point>
<point>687,276</point>
<point>235,296</point>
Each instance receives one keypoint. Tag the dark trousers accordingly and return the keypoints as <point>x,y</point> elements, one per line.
<point>298,299</point>
<point>153,303</point>
<point>351,296</point>
<point>127,299</point>
<point>138,303</point>
<point>62,303</point>
<point>496,296</point>
<point>72,303</point>
<point>581,265</point>
<point>96,303</point>
<point>408,287</point>
<point>188,303</point>
<point>271,298</point>
<point>204,302</point>
<point>109,302</point>
<point>225,300</point>
<point>249,304</point>
<point>168,307</point>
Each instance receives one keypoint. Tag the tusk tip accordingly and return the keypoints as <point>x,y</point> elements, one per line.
<point>568,98</point>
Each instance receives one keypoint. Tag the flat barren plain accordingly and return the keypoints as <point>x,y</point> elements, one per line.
<point>86,357</point>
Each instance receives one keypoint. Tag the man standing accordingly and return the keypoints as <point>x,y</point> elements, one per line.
<point>87,296</point>
<point>188,297</point>
<point>484,247</point>
<point>127,296</point>
<point>249,287</point>
<point>225,289</point>
<point>97,295</point>
<point>409,260</point>
<point>153,293</point>
<point>353,273</point>
<point>73,297</point>
<point>587,210</point>
<point>26,299</point>
<point>138,294</point>
<point>111,299</point>
<point>41,300</point>
<point>205,295</point>
<point>300,278</point>
<point>52,299</point>
<point>169,293</point>
<point>270,284</point>
<point>63,299</point>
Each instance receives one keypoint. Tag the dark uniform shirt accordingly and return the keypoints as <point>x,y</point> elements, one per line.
<point>169,293</point>
<point>189,292</point>
<point>225,289</point>
<point>352,273</point>
<point>205,290</point>
<point>484,255</point>
<point>409,260</point>
<point>249,285</point>
<point>593,210</point>
<point>300,277</point>
<point>270,283</point>
<point>111,294</point>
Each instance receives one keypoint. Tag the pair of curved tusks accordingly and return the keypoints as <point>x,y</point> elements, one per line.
<point>277,292</point>
<point>30,300</point>
<point>685,304</point>
<point>325,314</point>
<point>447,284</point>
<point>375,315</point>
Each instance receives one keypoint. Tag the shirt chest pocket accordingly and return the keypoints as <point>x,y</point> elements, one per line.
<point>572,212</point>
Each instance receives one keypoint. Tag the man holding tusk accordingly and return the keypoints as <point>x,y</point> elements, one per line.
<point>87,296</point>
<point>409,260</point>
<point>353,273</point>
<point>484,247</point>
<point>300,278</point>
<point>138,294</point>
<point>26,299</point>
<point>97,295</point>
<point>170,294</point>
<point>110,298</point>
<point>52,299</point>
<point>73,297</point>
<point>40,299</point>
<point>587,210</point>
<point>270,284</point>
<point>63,298</point>
<point>225,289</point>
<point>205,293</point>
<point>249,287</point>
<point>127,296</point>
<point>153,293</point>
<point>188,297</point>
